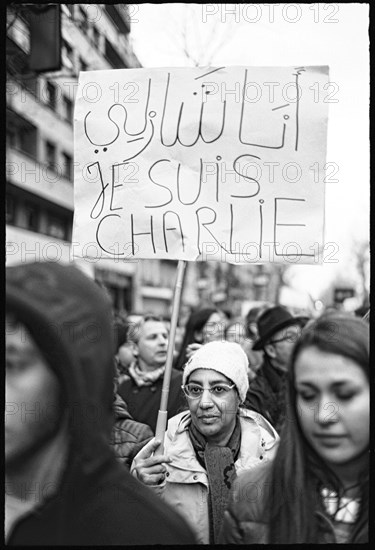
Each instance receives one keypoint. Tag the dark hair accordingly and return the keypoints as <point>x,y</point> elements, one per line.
<point>120,327</point>
<point>251,318</point>
<point>196,322</point>
<point>298,472</point>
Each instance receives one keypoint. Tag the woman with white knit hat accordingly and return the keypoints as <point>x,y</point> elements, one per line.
<point>207,446</point>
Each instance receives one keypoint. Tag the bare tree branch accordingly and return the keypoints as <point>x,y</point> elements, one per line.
<point>197,50</point>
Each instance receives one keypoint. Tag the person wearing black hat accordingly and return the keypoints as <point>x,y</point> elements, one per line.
<point>278,331</point>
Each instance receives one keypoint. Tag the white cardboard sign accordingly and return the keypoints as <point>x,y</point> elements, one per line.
<point>222,163</point>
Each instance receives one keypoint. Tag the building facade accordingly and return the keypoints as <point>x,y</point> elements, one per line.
<point>40,168</point>
<point>40,148</point>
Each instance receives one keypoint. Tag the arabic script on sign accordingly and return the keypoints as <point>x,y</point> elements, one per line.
<point>221,163</point>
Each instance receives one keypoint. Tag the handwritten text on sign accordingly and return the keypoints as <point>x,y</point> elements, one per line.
<point>201,164</point>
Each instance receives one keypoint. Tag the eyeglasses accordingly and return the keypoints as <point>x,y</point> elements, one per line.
<point>194,391</point>
<point>289,337</point>
<point>281,340</point>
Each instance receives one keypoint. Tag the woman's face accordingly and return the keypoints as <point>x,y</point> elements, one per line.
<point>213,416</point>
<point>213,330</point>
<point>236,333</point>
<point>333,398</point>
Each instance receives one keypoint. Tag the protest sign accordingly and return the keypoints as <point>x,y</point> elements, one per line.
<point>222,163</point>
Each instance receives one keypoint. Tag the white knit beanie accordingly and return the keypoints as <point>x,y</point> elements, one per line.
<point>228,358</point>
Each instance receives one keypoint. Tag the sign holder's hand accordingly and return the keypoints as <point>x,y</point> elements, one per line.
<point>149,467</point>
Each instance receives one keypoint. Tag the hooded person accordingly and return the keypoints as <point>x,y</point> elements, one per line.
<point>63,483</point>
<point>208,445</point>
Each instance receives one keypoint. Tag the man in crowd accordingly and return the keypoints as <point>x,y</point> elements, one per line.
<point>63,483</point>
<point>278,331</point>
<point>141,387</point>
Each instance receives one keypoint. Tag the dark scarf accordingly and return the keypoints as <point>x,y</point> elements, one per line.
<point>219,465</point>
<point>276,400</point>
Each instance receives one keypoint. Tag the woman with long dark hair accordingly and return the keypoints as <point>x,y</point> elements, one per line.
<point>203,326</point>
<point>316,490</point>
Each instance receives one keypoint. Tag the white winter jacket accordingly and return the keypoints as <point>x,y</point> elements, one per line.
<point>186,485</point>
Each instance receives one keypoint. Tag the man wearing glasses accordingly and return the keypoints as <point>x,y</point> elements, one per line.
<point>208,445</point>
<point>278,332</point>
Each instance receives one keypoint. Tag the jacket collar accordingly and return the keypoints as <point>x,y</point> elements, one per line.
<point>253,445</point>
<point>180,444</point>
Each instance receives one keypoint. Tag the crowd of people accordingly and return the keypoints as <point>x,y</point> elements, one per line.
<point>268,422</point>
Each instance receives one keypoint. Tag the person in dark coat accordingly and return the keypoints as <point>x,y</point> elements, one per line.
<point>128,436</point>
<point>63,483</point>
<point>142,385</point>
<point>278,332</point>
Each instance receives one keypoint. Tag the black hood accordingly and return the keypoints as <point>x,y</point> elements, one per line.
<point>70,318</point>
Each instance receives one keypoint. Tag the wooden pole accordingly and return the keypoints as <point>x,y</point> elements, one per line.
<point>161,425</point>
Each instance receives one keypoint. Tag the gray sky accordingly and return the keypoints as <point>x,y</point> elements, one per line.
<point>287,34</point>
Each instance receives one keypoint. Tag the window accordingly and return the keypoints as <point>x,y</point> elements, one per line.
<point>10,209</point>
<point>68,9</point>
<point>68,109</point>
<point>96,37</point>
<point>19,26</point>
<point>50,155</point>
<point>18,66</point>
<point>67,55</point>
<point>113,57</point>
<point>83,65</point>
<point>21,134</point>
<point>83,19</point>
<point>56,227</point>
<point>51,95</point>
<point>28,141</point>
<point>68,167</point>
<point>28,211</point>
<point>119,16</point>
<point>31,217</point>
<point>12,140</point>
